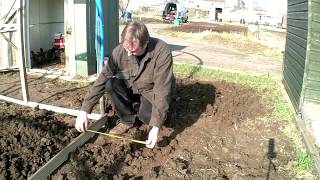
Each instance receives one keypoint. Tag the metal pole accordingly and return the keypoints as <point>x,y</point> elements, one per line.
<point>100,46</point>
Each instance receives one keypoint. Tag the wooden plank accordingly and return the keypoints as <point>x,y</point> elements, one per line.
<point>312,50</point>
<point>298,15</point>
<point>314,40</point>
<point>314,35</point>
<point>298,49</point>
<point>293,77</point>
<point>27,34</point>
<point>11,12</point>
<point>315,26</point>
<point>293,95</point>
<point>21,56</point>
<point>302,24</point>
<point>292,2</point>
<point>298,7</point>
<point>316,17</point>
<point>314,43</point>
<point>314,59</point>
<point>45,171</point>
<point>313,95</point>
<point>296,74</point>
<point>313,66</point>
<point>102,106</point>
<point>298,40</point>
<point>316,53</point>
<point>298,70</point>
<point>8,28</point>
<point>293,56</point>
<point>302,33</point>
<point>315,6</point>
<point>294,85</point>
<point>315,1</point>
<point>313,85</point>
<point>314,75</point>
<point>57,109</point>
<point>9,99</point>
<point>299,59</point>
<point>289,92</point>
<point>296,61</point>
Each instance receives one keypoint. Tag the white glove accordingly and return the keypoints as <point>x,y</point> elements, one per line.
<point>152,137</point>
<point>82,122</point>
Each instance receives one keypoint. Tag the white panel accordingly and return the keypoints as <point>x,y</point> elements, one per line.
<point>5,7</point>
<point>51,11</point>
<point>34,12</point>
<point>56,13</point>
<point>80,26</point>
<point>43,11</point>
<point>34,38</point>
<point>5,50</point>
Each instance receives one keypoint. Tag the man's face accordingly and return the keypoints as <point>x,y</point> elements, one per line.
<point>134,48</point>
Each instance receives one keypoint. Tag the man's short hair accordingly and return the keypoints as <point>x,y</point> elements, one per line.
<point>135,31</point>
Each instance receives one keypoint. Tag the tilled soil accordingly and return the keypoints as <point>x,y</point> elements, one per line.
<point>29,139</point>
<point>213,131</point>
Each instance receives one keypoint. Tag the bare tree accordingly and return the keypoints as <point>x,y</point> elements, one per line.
<point>123,5</point>
<point>240,5</point>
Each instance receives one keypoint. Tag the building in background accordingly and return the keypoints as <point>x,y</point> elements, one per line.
<point>74,20</point>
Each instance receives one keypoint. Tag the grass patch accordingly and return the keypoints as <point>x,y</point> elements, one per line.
<point>272,93</point>
<point>242,42</point>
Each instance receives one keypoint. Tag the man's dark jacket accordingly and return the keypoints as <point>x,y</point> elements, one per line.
<point>152,77</point>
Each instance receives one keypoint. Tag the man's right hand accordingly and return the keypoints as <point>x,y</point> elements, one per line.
<point>82,122</point>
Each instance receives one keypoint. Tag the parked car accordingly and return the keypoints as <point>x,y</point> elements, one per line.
<point>178,10</point>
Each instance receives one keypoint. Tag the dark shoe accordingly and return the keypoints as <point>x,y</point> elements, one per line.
<point>120,129</point>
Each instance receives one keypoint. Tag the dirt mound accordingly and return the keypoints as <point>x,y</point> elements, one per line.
<point>198,27</point>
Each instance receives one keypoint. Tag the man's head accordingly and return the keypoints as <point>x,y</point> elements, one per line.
<point>134,38</point>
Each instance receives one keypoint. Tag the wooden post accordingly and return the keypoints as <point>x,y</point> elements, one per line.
<point>57,109</point>
<point>26,36</point>
<point>21,57</point>
<point>102,106</point>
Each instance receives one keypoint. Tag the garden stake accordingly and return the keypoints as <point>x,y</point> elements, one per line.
<point>118,137</point>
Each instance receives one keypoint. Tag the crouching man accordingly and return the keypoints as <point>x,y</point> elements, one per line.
<point>140,69</point>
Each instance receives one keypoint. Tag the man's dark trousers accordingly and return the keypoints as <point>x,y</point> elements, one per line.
<point>123,98</point>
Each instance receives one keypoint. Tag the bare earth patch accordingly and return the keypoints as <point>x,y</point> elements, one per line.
<point>213,132</point>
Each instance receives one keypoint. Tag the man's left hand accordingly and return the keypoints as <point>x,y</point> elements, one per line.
<point>152,138</point>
